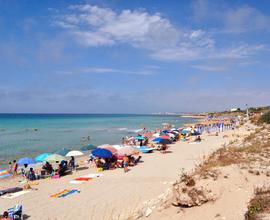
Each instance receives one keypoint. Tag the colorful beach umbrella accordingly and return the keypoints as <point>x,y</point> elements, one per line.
<point>62,151</point>
<point>74,153</point>
<point>55,158</point>
<point>165,137</point>
<point>140,138</point>
<point>42,157</point>
<point>88,147</point>
<point>148,134</point>
<point>127,151</point>
<point>26,160</point>
<point>103,153</point>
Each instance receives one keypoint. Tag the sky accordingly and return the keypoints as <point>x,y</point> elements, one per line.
<point>134,56</point>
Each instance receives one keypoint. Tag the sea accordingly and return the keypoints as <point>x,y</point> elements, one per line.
<point>27,135</point>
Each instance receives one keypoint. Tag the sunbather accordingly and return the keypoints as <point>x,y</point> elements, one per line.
<point>48,167</point>
<point>31,175</point>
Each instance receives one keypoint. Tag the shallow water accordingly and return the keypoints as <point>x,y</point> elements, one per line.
<point>31,134</point>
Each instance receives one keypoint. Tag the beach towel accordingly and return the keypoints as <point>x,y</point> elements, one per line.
<point>85,178</point>
<point>64,193</point>
<point>14,195</point>
<point>10,190</point>
<point>4,174</point>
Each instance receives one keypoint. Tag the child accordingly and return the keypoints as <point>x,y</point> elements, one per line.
<point>125,163</point>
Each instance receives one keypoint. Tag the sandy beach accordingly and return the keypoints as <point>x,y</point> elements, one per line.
<point>116,195</point>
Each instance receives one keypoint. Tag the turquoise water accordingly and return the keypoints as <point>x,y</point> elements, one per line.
<point>31,134</point>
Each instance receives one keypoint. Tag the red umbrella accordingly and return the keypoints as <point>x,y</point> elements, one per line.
<point>165,137</point>
<point>148,135</point>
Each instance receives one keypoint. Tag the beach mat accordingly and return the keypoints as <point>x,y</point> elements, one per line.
<point>85,178</point>
<point>14,195</point>
<point>10,190</point>
<point>4,174</point>
<point>76,182</point>
<point>64,193</point>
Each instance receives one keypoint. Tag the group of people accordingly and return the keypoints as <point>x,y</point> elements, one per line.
<point>47,169</point>
<point>114,162</point>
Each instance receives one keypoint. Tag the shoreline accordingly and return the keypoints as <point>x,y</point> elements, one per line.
<point>143,182</point>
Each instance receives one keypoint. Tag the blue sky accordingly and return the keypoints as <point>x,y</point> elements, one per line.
<point>133,56</point>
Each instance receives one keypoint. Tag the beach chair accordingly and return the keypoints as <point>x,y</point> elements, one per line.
<point>16,212</point>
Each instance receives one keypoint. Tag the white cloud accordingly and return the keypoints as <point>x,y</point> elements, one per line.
<point>93,26</point>
<point>230,19</point>
<point>210,68</point>
<point>102,70</point>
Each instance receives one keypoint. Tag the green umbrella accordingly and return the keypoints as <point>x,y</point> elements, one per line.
<point>55,158</point>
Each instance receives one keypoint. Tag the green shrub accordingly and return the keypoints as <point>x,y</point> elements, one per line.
<point>266,117</point>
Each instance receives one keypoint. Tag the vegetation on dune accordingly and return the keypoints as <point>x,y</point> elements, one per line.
<point>265,118</point>
<point>259,204</point>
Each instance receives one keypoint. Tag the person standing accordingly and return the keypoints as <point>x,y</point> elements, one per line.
<point>15,167</point>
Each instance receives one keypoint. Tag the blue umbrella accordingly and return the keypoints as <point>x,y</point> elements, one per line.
<point>42,157</point>
<point>101,152</point>
<point>162,141</point>
<point>62,151</point>
<point>26,160</point>
<point>140,138</point>
<point>88,147</point>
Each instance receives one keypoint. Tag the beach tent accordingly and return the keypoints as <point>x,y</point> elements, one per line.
<point>103,153</point>
<point>26,160</point>
<point>55,158</point>
<point>74,153</point>
<point>42,157</point>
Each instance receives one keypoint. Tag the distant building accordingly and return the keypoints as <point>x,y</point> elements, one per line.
<point>235,109</point>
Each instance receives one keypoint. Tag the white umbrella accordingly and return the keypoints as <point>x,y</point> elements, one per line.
<point>156,135</point>
<point>74,153</point>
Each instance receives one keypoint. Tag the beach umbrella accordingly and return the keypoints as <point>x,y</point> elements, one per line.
<point>148,135</point>
<point>110,148</point>
<point>117,147</point>
<point>156,135</point>
<point>55,158</point>
<point>74,153</point>
<point>42,157</point>
<point>127,151</point>
<point>165,137</point>
<point>62,151</point>
<point>26,160</point>
<point>103,153</point>
<point>162,141</point>
<point>140,138</point>
<point>88,147</point>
